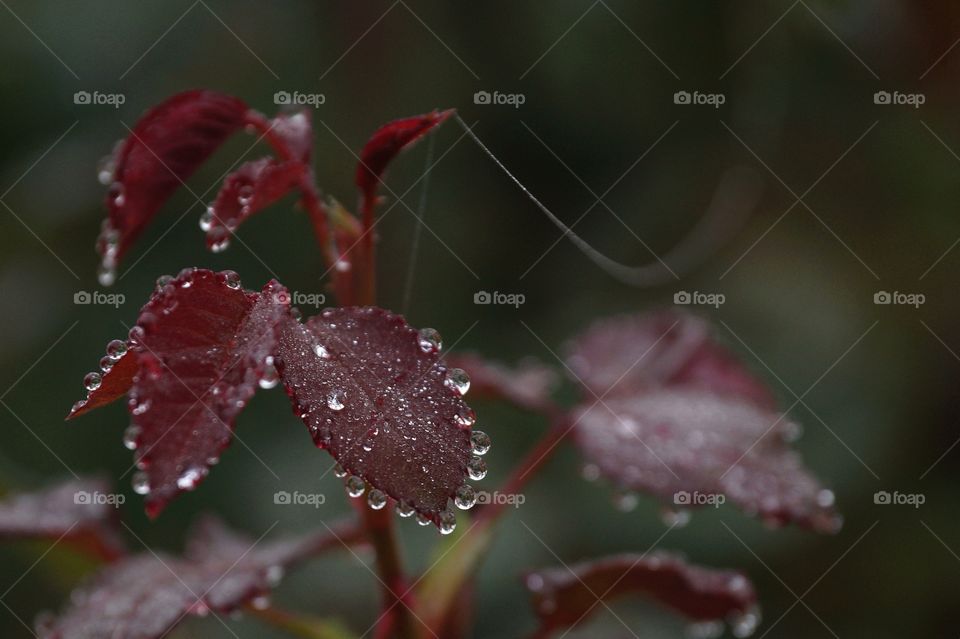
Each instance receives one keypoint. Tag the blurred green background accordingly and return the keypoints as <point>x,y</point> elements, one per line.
<point>598,80</point>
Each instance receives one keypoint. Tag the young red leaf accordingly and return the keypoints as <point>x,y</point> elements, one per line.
<point>251,188</point>
<point>384,145</point>
<point>165,147</point>
<point>76,511</point>
<point>529,384</point>
<point>564,597</point>
<point>112,384</point>
<point>621,356</point>
<point>203,345</point>
<point>372,391</point>
<point>692,448</point>
<point>145,596</point>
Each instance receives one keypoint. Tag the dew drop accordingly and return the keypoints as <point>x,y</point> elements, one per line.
<point>404,509</point>
<point>269,378</point>
<point>458,380</point>
<point>190,479</point>
<point>448,522</point>
<point>106,275</point>
<point>479,442</point>
<point>261,602</point>
<point>231,279</point>
<point>590,472</point>
<point>626,502</point>
<point>116,349</point>
<point>430,341</point>
<point>141,483</point>
<point>92,381</point>
<point>162,281</point>
<point>745,624</point>
<point>274,575</point>
<point>218,239</point>
<point>131,435</point>
<point>106,364</point>
<point>105,170</point>
<point>423,520</point>
<point>355,486</point>
<point>321,352</point>
<point>465,416</point>
<point>376,499</point>
<point>338,471</point>
<point>825,498</point>
<point>465,497</point>
<point>206,220</point>
<point>476,469</point>
<point>705,630</point>
<point>335,400</point>
<point>136,335</point>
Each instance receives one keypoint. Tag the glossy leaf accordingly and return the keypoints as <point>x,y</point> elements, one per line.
<point>529,384</point>
<point>79,511</point>
<point>203,345</point>
<point>384,145</point>
<point>375,397</point>
<point>251,188</point>
<point>146,595</point>
<point>620,356</point>
<point>565,596</point>
<point>164,148</point>
<point>692,449</point>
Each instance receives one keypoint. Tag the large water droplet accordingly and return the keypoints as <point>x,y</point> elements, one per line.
<point>321,352</point>
<point>476,469</point>
<point>336,399</point>
<point>218,239</point>
<point>190,479</point>
<point>430,341</point>
<point>338,471</point>
<point>465,497</point>
<point>116,349</point>
<point>92,381</point>
<point>465,416</point>
<point>447,523</point>
<point>355,486</point>
<point>141,483</point>
<point>162,281</point>
<point>131,435</point>
<point>376,499</point>
<point>404,509</point>
<point>207,219</point>
<point>106,275</point>
<point>231,279</point>
<point>106,364</point>
<point>458,380</point>
<point>269,378</point>
<point>479,442</point>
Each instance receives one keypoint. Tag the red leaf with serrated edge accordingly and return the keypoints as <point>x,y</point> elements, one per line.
<point>691,448</point>
<point>251,188</point>
<point>113,384</point>
<point>80,511</point>
<point>376,397</point>
<point>528,384</point>
<point>203,345</point>
<point>165,147</point>
<point>621,356</point>
<point>564,597</point>
<point>145,596</point>
<point>385,143</point>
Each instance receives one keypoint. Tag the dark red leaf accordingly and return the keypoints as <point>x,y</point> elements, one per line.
<point>203,345</point>
<point>621,356</point>
<point>377,399</point>
<point>109,385</point>
<point>529,384</point>
<point>386,143</point>
<point>165,147</point>
<point>251,188</point>
<point>145,596</point>
<point>564,597</point>
<point>692,448</point>
<point>80,511</point>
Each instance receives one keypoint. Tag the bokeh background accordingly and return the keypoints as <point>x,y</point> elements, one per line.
<point>598,80</point>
